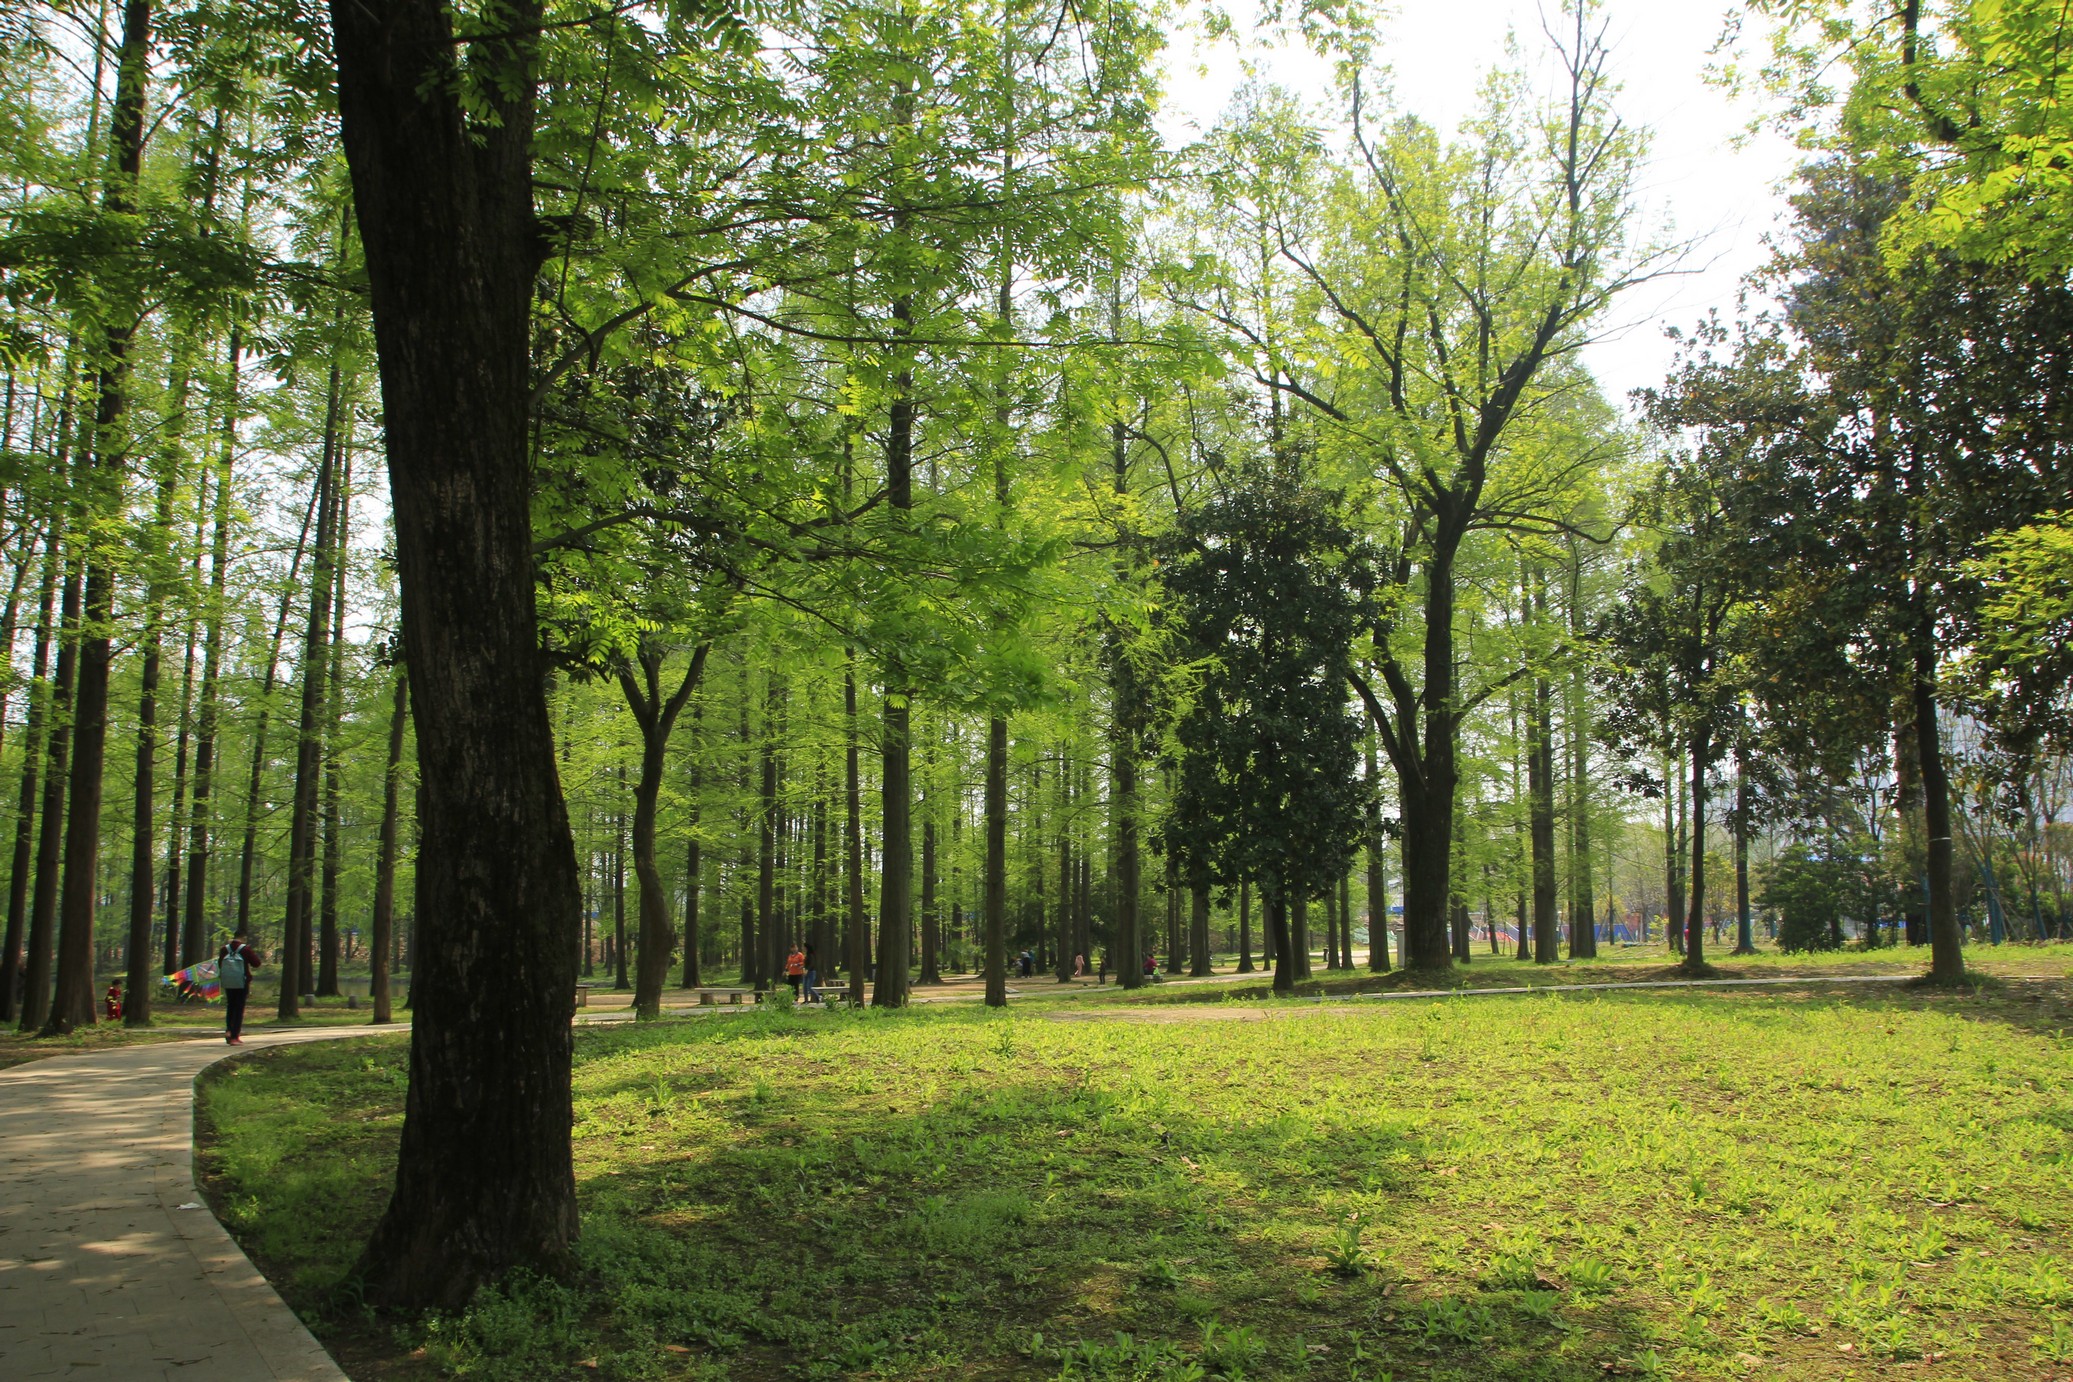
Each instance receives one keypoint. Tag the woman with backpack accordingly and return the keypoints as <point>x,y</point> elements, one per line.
<point>234,968</point>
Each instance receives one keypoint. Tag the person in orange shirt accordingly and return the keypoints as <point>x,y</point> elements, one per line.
<point>795,970</point>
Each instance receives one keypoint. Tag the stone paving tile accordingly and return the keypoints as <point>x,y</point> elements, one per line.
<point>103,1273</point>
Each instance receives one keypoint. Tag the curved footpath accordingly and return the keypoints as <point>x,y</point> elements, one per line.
<point>111,1267</point>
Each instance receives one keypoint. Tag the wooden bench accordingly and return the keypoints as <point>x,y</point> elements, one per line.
<point>710,998</point>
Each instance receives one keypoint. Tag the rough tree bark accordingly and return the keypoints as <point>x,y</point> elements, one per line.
<point>484,1178</point>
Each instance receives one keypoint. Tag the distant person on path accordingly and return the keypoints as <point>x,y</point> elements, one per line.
<point>1103,978</point>
<point>1079,966</point>
<point>234,971</point>
<point>113,1002</point>
<point>812,993</point>
<point>795,970</point>
<point>1151,965</point>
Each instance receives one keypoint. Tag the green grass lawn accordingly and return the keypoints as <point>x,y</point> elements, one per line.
<point>1825,1183</point>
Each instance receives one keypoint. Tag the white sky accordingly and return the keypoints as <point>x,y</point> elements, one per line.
<point>1699,185</point>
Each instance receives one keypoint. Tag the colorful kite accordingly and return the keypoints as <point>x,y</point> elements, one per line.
<point>197,982</point>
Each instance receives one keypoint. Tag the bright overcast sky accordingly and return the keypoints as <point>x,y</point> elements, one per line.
<point>1705,181</point>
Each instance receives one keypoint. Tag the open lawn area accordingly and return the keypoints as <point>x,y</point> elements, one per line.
<point>1825,1183</point>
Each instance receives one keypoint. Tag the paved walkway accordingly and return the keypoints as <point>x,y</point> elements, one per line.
<point>110,1266</point>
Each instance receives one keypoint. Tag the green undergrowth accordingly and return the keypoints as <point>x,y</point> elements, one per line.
<point>1806,1184</point>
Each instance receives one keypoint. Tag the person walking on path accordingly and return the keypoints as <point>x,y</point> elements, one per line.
<point>795,970</point>
<point>812,993</point>
<point>234,971</point>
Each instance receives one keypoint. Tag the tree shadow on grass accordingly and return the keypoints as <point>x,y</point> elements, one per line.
<point>1021,1226</point>
<point>1030,1225</point>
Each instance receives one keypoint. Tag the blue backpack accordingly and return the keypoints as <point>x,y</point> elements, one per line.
<point>230,971</point>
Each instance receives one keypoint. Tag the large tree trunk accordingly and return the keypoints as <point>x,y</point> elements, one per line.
<point>381,929</point>
<point>484,1178</point>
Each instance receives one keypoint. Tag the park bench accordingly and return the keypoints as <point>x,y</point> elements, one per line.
<point>710,998</point>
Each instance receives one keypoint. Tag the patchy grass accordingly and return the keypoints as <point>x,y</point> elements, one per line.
<point>1820,1184</point>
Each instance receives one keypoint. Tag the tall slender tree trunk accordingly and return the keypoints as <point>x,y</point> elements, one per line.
<point>1745,922</point>
<point>1279,939</point>
<point>619,978</point>
<point>1695,920</point>
<point>1946,938</point>
<point>43,911</point>
<point>1245,926</point>
<point>1062,965</point>
<point>1583,922</point>
<point>1673,858</point>
<point>334,719</point>
<point>656,714</point>
<point>297,932</point>
<point>996,903</point>
<point>931,922</point>
<point>896,789</point>
<point>144,781</point>
<point>858,928</point>
<point>35,747</point>
<point>766,836</point>
<point>180,824</point>
<point>99,484</point>
<point>1378,871</point>
<point>1540,780</point>
<point>694,870</point>
<point>1198,930</point>
<point>381,929</point>
<point>247,855</point>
